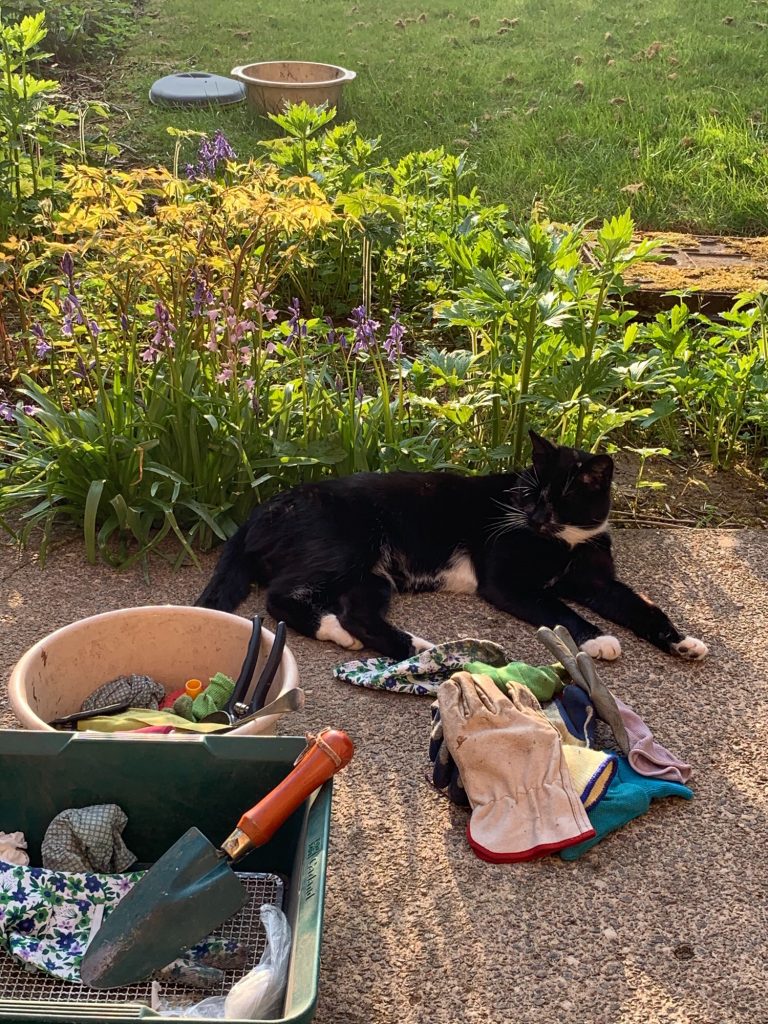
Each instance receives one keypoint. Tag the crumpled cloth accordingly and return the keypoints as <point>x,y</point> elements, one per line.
<point>138,691</point>
<point>646,755</point>
<point>13,848</point>
<point>87,839</point>
<point>422,673</point>
<point>47,919</point>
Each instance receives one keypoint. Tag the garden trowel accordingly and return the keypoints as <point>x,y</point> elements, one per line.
<point>192,888</point>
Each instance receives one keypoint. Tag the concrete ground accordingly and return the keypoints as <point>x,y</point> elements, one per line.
<point>664,921</point>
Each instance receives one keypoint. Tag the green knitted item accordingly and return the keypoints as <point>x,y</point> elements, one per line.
<point>213,698</point>
<point>182,707</point>
<point>543,682</point>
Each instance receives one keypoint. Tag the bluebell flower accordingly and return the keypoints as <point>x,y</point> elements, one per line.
<point>364,330</point>
<point>393,343</point>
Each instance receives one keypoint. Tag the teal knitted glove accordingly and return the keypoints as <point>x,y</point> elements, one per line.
<point>213,698</point>
<point>629,796</point>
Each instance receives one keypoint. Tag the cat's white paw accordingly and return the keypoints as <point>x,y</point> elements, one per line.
<point>331,629</point>
<point>419,644</point>
<point>691,648</point>
<point>606,647</point>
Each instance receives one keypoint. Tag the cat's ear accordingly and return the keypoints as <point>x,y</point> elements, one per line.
<point>543,450</point>
<point>597,473</point>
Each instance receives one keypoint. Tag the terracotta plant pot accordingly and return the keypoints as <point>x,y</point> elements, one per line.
<point>170,643</point>
<point>271,84</point>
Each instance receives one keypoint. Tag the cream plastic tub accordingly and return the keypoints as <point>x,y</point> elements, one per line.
<point>170,643</point>
<point>271,84</point>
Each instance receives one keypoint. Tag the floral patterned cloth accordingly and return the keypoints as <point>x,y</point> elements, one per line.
<point>422,673</point>
<point>47,919</point>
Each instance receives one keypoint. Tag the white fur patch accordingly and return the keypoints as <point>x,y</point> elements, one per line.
<point>691,648</point>
<point>606,647</point>
<point>574,535</point>
<point>459,576</point>
<point>331,629</point>
<point>419,644</point>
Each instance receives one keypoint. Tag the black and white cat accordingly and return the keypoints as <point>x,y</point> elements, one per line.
<point>332,553</point>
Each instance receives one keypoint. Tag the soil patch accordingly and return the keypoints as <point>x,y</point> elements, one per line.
<point>686,492</point>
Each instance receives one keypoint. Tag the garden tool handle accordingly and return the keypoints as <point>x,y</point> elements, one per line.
<point>325,754</point>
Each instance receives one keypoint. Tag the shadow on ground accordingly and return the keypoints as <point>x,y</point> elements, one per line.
<point>664,921</point>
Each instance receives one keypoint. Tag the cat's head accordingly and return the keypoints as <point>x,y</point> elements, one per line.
<point>567,493</point>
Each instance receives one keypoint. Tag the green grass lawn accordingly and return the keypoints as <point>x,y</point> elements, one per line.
<point>588,105</point>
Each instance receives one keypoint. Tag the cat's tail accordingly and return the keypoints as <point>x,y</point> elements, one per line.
<point>233,576</point>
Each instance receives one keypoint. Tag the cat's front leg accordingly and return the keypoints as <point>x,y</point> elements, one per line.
<point>543,609</point>
<point>619,603</point>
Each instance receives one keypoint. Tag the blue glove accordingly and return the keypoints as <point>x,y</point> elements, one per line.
<point>629,796</point>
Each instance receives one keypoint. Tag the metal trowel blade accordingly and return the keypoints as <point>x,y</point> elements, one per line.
<point>187,893</point>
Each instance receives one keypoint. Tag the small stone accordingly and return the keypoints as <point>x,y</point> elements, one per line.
<point>611,934</point>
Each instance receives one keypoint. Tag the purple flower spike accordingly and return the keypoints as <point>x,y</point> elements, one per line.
<point>6,412</point>
<point>67,266</point>
<point>43,346</point>
<point>393,343</point>
<point>364,328</point>
<point>211,153</point>
<point>164,329</point>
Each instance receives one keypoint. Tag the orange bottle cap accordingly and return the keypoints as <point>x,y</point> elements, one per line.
<point>194,687</point>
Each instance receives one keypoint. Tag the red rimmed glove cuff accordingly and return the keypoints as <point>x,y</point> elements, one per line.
<point>536,851</point>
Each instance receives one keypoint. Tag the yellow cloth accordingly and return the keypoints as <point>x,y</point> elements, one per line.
<point>138,718</point>
<point>591,772</point>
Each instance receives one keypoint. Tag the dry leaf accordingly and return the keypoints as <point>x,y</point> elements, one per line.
<point>617,101</point>
<point>673,76</point>
<point>509,22</point>
<point>634,188</point>
<point>687,141</point>
<point>399,23</point>
<point>579,86</point>
<point>729,20</point>
<point>654,49</point>
<point>511,79</point>
<point>422,17</point>
<point>608,37</point>
<point>502,31</point>
<point>610,63</point>
<point>474,22</point>
<point>578,59</point>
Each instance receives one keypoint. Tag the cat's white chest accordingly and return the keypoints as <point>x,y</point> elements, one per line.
<point>458,577</point>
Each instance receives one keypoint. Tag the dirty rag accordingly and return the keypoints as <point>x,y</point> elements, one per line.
<point>87,839</point>
<point>141,691</point>
<point>13,848</point>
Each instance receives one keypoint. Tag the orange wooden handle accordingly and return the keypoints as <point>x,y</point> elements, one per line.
<point>327,754</point>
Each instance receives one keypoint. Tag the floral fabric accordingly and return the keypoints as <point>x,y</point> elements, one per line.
<point>421,674</point>
<point>47,919</point>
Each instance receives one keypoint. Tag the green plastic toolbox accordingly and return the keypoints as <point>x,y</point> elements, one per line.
<point>165,787</point>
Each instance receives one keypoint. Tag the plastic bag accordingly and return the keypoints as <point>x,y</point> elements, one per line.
<point>258,995</point>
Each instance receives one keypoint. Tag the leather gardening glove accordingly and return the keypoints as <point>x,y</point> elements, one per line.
<point>510,758</point>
